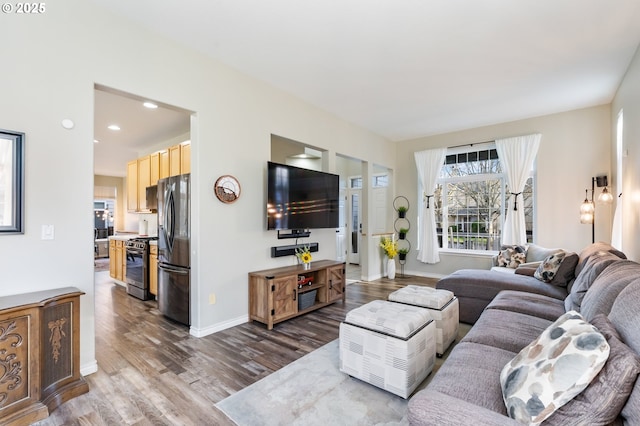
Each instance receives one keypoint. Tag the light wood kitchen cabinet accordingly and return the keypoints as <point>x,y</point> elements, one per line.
<point>164,163</point>
<point>175,160</point>
<point>132,186</point>
<point>144,180</point>
<point>153,269</point>
<point>117,259</point>
<point>279,294</point>
<point>112,258</point>
<point>154,168</point>
<point>185,158</point>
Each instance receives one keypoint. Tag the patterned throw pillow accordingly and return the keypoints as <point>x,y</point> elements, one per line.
<point>553,369</point>
<point>549,266</point>
<point>512,256</point>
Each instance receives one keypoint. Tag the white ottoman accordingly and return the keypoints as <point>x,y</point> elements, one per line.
<point>389,345</point>
<point>442,305</point>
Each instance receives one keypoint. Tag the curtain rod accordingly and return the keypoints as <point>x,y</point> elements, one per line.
<point>471,144</point>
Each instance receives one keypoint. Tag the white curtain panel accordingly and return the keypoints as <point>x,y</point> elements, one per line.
<point>429,164</point>
<point>616,235</point>
<point>517,155</point>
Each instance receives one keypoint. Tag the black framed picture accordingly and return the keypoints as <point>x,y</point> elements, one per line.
<point>11,182</point>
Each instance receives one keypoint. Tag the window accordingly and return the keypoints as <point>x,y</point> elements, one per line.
<point>355,183</point>
<point>380,181</point>
<point>471,199</point>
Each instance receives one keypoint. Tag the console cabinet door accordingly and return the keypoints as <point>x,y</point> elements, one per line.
<point>336,283</point>
<point>284,295</point>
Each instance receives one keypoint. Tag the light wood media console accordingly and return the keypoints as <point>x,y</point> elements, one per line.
<point>274,293</point>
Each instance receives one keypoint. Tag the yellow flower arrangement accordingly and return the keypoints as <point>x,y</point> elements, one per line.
<point>389,246</point>
<point>304,254</point>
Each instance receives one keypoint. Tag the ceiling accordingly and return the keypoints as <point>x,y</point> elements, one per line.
<point>141,129</point>
<point>411,68</point>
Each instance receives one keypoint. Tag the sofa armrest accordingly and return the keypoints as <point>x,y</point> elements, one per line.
<point>429,407</point>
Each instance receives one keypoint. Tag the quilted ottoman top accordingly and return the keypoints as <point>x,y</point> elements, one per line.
<point>390,318</point>
<point>422,296</point>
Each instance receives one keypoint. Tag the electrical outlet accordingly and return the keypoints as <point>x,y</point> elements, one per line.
<point>212,299</point>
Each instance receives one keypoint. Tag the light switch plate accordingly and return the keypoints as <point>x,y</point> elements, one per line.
<point>47,232</point>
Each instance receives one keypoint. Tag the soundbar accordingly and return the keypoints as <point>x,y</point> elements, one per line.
<point>291,250</point>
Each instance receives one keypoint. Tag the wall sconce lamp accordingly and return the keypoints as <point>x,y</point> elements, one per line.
<point>588,208</point>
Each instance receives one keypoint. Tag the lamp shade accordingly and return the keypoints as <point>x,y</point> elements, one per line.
<point>605,196</point>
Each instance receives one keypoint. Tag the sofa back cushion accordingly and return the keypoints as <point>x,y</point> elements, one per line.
<point>536,253</point>
<point>595,248</point>
<point>606,287</point>
<point>625,317</point>
<point>595,264</point>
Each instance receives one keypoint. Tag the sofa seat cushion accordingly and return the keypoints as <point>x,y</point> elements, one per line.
<point>485,284</point>
<point>429,408</point>
<point>553,369</point>
<point>471,373</point>
<point>510,331</point>
<point>529,304</point>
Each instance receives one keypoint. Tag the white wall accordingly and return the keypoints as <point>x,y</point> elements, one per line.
<point>574,148</point>
<point>51,65</point>
<point>628,99</point>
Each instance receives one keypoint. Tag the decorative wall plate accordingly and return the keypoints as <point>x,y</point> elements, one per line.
<point>227,189</point>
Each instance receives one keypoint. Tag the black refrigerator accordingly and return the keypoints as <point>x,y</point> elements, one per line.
<point>174,264</point>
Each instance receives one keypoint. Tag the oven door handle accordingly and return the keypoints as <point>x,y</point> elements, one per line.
<point>180,271</point>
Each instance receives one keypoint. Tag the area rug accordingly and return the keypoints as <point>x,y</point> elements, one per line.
<point>313,391</point>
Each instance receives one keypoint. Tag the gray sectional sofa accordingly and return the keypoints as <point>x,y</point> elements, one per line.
<point>509,311</point>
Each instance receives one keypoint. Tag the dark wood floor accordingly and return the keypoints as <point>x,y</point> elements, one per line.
<point>152,372</point>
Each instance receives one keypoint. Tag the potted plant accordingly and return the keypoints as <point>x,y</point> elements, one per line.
<point>304,256</point>
<point>390,248</point>
<point>402,253</point>
<point>402,211</point>
<point>403,233</point>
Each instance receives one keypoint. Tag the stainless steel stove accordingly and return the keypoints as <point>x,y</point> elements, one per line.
<point>137,273</point>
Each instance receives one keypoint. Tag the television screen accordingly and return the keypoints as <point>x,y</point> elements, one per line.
<point>300,198</point>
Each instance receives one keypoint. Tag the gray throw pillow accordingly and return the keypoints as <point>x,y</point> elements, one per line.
<point>601,402</point>
<point>536,253</point>
<point>566,272</point>
<point>549,266</point>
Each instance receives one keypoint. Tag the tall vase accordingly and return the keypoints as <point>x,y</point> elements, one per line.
<point>391,269</point>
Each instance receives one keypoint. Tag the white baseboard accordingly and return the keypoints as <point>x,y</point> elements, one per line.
<point>89,368</point>
<point>201,332</point>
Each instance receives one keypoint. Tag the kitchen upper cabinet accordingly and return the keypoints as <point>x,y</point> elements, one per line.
<point>138,178</point>
<point>175,160</point>
<point>146,171</point>
<point>154,167</point>
<point>144,180</point>
<point>132,186</point>
<point>164,163</point>
<point>185,158</point>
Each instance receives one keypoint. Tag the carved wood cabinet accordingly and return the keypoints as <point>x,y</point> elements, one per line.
<point>274,294</point>
<point>39,354</point>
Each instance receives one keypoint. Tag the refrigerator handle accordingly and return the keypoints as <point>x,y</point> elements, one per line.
<point>180,271</point>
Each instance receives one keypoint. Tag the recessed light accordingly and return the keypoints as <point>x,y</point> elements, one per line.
<point>150,105</point>
<point>113,127</point>
<point>96,141</point>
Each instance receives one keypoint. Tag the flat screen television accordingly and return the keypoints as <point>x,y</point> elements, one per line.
<point>299,199</point>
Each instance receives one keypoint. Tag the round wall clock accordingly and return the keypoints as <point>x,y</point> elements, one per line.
<point>227,189</point>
